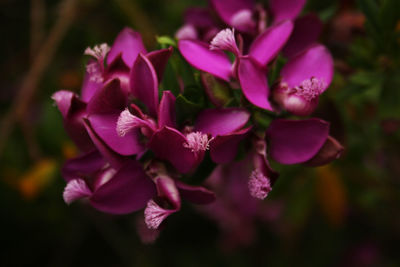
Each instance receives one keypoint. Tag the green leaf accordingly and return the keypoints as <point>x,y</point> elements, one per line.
<point>371,11</point>
<point>166,41</point>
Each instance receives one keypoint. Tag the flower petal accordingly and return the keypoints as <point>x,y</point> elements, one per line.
<point>166,110</point>
<point>108,99</point>
<point>168,144</point>
<point>285,9</point>
<point>268,44</point>
<point>116,160</point>
<point>296,141</point>
<point>254,83</point>
<point>159,60</point>
<point>226,9</point>
<point>83,165</point>
<point>129,43</point>
<point>144,83</point>
<point>221,121</point>
<point>76,189</point>
<point>118,70</point>
<point>306,32</point>
<point>330,151</point>
<point>199,55</point>
<point>195,194</point>
<point>89,85</point>
<point>167,190</point>
<point>315,62</point>
<point>73,111</point>
<point>105,126</point>
<point>67,102</point>
<point>127,191</point>
<point>223,148</point>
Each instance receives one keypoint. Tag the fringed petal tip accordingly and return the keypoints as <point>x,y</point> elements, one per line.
<point>197,142</point>
<point>259,185</point>
<point>127,122</point>
<point>76,189</point>
<point>225,40</point>
<point>154,215</point>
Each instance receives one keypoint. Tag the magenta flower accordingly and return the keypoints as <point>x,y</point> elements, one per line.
<point>219,130</point>
<point>111,190</point>
<point>249,69</point>
<point>168,199</point>
<point>303,79</point>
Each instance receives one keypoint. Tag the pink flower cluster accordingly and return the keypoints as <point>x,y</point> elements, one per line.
<point>136,155</point>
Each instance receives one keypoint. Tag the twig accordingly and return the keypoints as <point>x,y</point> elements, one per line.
<point>35,73</point>
<point>37,26</point>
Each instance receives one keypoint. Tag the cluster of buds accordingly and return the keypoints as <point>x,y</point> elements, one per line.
<point>136,155</point>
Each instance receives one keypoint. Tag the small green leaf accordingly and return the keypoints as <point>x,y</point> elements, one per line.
<point>165,41</point>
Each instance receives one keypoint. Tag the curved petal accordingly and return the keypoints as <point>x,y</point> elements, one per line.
<point>159,60</point>
<point>67,102</point>
<point>89,85</point>
<point>167,190</point>
<point>168,144</point>
<point>195,194</point>
<point>118,70</point>
<point>330,151</point>
<point>83,165</point>
<point>166,110</point>
<point>116,160</point>
<point>223,148</point>
<point>144,83</point>
<point>268,44</point>
<point>221,121</point>
<point>129,43</point>
<point>73,111</point>
<point>296,141</point>
<point>285,9</point>
<point>108,99</point>
<point>105,126</point>
<point>253,81</point>
<point>199,55</point>
<point>127,191</point>
<point>226,9</point>
<point>306,32</point>
<point>261,163</point>
<point>315,62</point>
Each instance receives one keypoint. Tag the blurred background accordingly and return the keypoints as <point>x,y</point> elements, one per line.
<point>343,214</point>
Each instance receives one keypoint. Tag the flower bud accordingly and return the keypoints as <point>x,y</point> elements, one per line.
<point>300,100</point>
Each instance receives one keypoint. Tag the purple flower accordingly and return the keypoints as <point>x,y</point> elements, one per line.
<point>169,194</point>
<point>248,69</point>
<point>303,79</point>
<point>122,190</point>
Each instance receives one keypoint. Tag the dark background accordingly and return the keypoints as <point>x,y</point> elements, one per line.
<point>344,214</point>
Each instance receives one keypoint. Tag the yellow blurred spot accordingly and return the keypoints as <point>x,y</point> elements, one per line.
<point>398,26</point>
<point>70,79</point>
<point>331,195</point>
<point>398,30</point>
<point>32,182</point>
<point>69,150</point>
